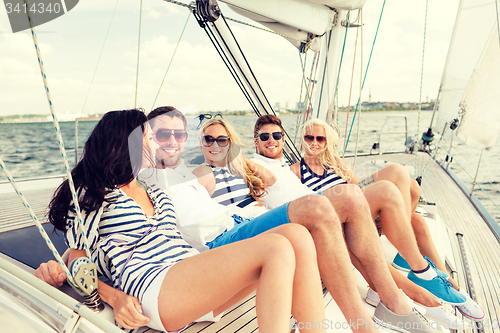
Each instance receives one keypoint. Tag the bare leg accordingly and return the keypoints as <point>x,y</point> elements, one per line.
<point>426,244</point>
<point>361,238</point>
<point>317,215</point>
<point>306,283</point>
<point>216,278</point>
<point>399,176</point>
<point>413,291</point>
<point>385,200</point>
<point>415,191</point>
<point>363,241</point>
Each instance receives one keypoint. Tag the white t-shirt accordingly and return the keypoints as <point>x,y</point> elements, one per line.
<point>287,187</point>
<point>199,218</point>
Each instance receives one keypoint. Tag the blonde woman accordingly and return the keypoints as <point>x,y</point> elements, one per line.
<point>321,169</point>
<point>229,177</point>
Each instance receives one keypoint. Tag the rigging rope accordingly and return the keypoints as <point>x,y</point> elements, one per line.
<point>171,59</point>
<point>421,84</point>
<point>308,85</point>
<point>240,22</point>
<point>37,222</point>
<point>340,63</point>
<point>352,81</point>
<point>59,139</point>
<point>100,54</point>
<point>360,88</point>
<point>138,53</point>
<point>366,71</point>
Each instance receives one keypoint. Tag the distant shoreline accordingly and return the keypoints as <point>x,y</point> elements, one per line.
<point>38,119</point>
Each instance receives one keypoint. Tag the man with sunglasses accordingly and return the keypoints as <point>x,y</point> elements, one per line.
<point>169,129</point>
<point>358,226</point>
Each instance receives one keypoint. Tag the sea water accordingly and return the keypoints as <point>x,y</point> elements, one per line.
<point>31,149</point>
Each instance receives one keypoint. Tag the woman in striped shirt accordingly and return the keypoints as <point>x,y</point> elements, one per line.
<point>157,278</point>
<point>322,168</point>
<point>229,177</point>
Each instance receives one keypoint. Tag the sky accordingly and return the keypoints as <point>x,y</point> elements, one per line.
<point>72,45</point>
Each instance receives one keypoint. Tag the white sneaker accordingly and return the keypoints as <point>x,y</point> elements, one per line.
<point>373,299</point>
<point>445,315</point>
<point>470,309</point>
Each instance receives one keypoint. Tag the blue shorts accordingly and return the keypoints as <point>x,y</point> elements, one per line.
<point>250,228</point>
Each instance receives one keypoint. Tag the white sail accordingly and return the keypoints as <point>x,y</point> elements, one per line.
<point>473,26</point>
<point>302,20</point>
<point>481,100</point>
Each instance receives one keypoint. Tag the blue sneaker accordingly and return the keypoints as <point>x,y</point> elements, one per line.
<point>439,272</point>
<point>400,263</point>
<point>440,288</point>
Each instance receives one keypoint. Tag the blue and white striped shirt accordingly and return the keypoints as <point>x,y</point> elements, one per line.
<point>316,182</point>
<point>128,247</point>
<point>229,189</point>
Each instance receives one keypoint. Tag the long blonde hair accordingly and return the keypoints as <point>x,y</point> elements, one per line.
<point>234,158</point>
<point>329,157</point>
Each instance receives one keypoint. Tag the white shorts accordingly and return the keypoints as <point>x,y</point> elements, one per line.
<point>150,306</point>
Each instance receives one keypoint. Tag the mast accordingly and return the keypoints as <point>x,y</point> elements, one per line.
<point>329,63</point>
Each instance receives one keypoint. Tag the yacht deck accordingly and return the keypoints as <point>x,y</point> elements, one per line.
<point>479,272</point>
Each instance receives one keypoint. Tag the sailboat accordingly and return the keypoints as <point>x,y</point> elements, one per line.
<point>467,235</point>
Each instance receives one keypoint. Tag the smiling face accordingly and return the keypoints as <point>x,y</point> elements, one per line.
<point>215,155</point>
<point>271,148</point>
<point>315,148</point>
<point>169,152</point>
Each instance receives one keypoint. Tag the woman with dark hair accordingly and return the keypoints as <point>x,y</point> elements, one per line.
<point>157,278</point>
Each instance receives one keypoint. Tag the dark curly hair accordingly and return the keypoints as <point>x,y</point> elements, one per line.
<point>105,164</point>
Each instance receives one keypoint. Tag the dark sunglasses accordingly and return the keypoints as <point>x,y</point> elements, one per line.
<point>208,140</point>
<point>266,136</point>
<point>163,134</point>
<point>310,138</point>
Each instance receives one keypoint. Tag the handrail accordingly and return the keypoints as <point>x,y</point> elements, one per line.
<point>27,179</point>
<point>380,132</point>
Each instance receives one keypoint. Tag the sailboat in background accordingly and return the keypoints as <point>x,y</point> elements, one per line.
<point>469,246</point>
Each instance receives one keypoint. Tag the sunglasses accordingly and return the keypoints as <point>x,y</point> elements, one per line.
<point>310,138</point>
<point>163,134</point>
<point>208,140</point>
<point>266,136</point>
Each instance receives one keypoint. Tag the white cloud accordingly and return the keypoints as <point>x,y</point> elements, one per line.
<point>71,46</point>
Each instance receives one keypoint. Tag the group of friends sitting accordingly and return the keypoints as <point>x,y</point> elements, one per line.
<point>180,245</point>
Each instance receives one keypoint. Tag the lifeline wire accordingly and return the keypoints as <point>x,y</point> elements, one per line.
<point>59,137</point>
